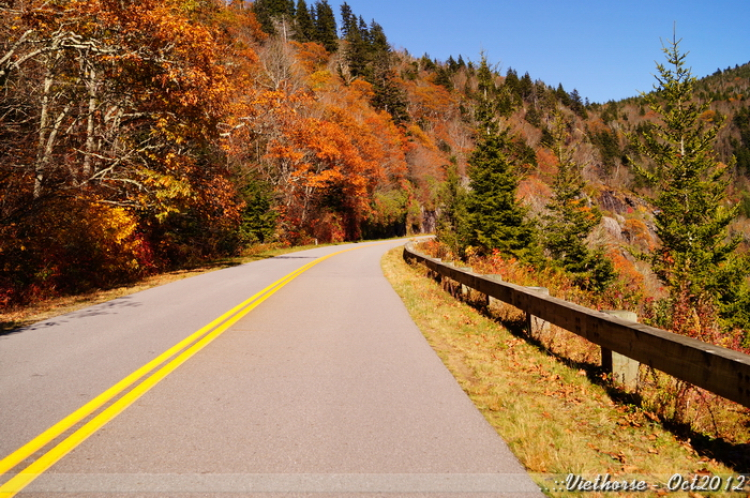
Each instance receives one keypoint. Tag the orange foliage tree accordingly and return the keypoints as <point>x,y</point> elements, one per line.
<point>317,143</point>
<point>109,112</point>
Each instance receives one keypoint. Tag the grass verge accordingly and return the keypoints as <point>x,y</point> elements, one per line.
<point>22,316</point>
<point>557,417</point>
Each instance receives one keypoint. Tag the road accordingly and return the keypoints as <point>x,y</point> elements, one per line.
<point>326,388</point>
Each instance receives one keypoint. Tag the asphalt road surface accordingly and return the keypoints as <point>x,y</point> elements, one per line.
<point>326,388</point>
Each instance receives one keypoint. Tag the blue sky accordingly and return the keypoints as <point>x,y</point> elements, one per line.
<point>606,49</point>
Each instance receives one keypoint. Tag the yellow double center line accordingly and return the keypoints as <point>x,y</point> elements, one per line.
<point>193,343</point>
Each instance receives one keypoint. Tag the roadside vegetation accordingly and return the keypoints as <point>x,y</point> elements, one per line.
<point>559,415</point>
<point>695,256</point>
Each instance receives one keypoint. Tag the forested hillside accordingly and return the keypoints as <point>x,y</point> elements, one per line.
<point>148,136</point>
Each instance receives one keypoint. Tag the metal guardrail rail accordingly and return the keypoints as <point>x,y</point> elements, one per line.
<point>716,369</point>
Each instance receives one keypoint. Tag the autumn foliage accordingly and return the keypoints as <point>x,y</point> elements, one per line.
<point>138,137</point>
<point>142,136</point>
<point>108,143</point>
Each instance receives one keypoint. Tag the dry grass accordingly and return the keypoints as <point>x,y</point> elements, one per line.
<point>711,421</point>
<point>557,416</point>
<point>21,316</point>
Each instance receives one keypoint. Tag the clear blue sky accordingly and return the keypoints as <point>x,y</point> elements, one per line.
<point>606,49</point>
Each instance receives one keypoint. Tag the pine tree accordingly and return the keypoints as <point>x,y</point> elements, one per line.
<point>495,219</point>
<point>526,86</point>
<point>358,53</point>
<point>562,95</point>
<point>512,82</point>
<point>378,40</point>
<point>509,95</point>
<point>576,104</point>
<point>267,11</point>
<point>325,25</point>
<point>486,99</point>
<point>389,96</point>
<point>348,20</point>
<point>571,218</point>
<point>443,78</point>
<point>451,223</point>
<point>452,64</point>
<point>258,216</point>
<point>305,23</point>
<point>696,260</point>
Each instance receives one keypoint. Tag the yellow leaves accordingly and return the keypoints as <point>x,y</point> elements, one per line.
<point>112,223</point>
<point>166,189</point>
<point>270,99</point>
<point>416,132</point>
<point>320,80</point>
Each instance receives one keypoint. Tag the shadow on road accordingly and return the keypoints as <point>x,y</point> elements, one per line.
<point>108,308</point>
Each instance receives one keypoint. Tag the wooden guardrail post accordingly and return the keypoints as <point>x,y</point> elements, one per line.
<point>465,288</point>
<point>538,328</point>
<point>493,301</point>
<point>436,275</point>
<point>624,370</point>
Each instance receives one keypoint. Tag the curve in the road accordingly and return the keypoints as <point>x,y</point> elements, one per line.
<point>184,350</point>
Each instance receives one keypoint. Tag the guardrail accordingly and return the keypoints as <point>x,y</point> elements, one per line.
<point>716,369</point>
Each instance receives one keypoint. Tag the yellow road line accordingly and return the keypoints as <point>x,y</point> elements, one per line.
<point>56,430</point>
<point>201,339</point>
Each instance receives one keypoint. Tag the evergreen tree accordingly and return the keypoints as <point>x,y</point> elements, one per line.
<point>365,31</point>
<point>358,50</point>
<point>570,219</point>
<point>508,96</point>
<point>576,104</point>
<point>258,217</point>
<point>451,223</point>
<point>325,26</point>
<point>452,64</point>
<point>378,40</point>
<point>562,95</point>
<point>388,95</point>
<point>268,11</point>
<point>305,24</point>
<point>526,86</point>
<point>494,217</point>
<point>485,111</point>
<point>368,56</point>
<point>611,112</point>
<point>348,20</point>
<point>512,82</point>
<point>443,78</point>
<point>427,63</point>
<point>696,261</point>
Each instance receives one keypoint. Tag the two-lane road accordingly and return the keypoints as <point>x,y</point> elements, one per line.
<point>327,388</point>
